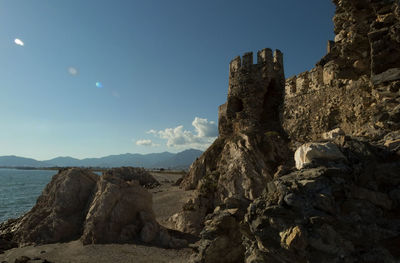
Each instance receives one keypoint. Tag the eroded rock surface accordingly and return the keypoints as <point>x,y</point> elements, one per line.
<point>251,144</point>
<point>341,203</point>
<point>112,208</point>
<point>328,214</point>
<point>144,178</point>
<point>114,212</point>
<point>59,211</point>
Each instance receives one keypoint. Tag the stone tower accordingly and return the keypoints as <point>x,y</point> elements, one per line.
<point>244,158</point>
<point>254,95</point>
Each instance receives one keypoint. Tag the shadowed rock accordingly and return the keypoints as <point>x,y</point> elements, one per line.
<point>250,147</point>
<point>59,211</point>
<point>112,208</point>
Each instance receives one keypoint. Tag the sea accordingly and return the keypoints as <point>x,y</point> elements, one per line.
<point>19,190</point>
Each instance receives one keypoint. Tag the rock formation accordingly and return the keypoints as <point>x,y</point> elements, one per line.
<point>144,178</point>
<point>59,210</point>
<point>341,202</point>
<point>112,208</point>
<point>250,146</point>
<point>343,213</point>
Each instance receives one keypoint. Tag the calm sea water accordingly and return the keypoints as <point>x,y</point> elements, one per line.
<point>19,190</point>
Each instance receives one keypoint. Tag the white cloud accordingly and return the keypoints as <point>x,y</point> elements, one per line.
<point>205,133</point>
<point>73,71</point>
<point>145,142</point>
<point>19,42</point>
<point>152,132</point>
<point>205,128</point>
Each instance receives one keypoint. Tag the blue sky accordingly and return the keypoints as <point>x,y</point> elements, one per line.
<point>162,65</point>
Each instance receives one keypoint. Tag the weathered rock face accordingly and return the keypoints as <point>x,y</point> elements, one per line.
<point>144,178</point>
<point>113,208</point>
<point>330,214</point>
<point>342,205</point>
<point>114,212</point>
<point>220,239</point>
<point>59,211</point>
<point>251,144</point>
<point>356,85</point>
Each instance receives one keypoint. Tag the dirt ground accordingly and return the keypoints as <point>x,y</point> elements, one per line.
<point>167,200</point>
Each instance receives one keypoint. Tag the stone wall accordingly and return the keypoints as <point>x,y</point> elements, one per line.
<point>356,85</point>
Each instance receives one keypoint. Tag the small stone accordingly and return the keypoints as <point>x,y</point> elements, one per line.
<point>294,238</point>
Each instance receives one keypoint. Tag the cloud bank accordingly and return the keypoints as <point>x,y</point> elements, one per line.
<point>144,142</point>
<point>204,134</point>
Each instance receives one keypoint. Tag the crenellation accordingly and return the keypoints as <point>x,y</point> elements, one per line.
<point>303,82</point>
<point>235,64</point>
<point>247,60</point>
<point>254,92</point>
<point>265,56</point>
<point>273,61</point>
<point>290,86</point>
<point>316,78</point>
<point>330,46</point>
<point>278,60</point>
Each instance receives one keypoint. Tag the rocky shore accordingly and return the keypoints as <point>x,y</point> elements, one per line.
<point>305,169</point>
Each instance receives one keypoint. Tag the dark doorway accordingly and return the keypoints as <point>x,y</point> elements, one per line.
<point>271,102</point>
<point>236,105</point>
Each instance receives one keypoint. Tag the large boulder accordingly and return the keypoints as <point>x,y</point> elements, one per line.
<point>112,208</point>
<point>114,213</point>
<point>59,210</point>
<point>121,211</point>
<point>312,153</point>
<point>220,241</point>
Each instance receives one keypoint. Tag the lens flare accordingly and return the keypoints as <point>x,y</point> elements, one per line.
<point>19,42</point>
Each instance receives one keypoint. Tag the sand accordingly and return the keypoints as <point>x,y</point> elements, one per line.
<point>167,200</point>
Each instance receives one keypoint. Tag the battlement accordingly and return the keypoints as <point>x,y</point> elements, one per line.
<point>312,80</point>
<point>265,57</point>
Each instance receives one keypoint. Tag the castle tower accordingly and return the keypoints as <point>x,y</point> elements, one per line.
<point>254,95</point>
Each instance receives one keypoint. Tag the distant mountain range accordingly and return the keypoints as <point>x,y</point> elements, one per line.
<point>181,160</point>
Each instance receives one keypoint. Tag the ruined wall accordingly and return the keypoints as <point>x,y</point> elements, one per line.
<point>356,85</point>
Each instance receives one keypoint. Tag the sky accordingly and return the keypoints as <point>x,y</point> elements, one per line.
<point>98,77</point>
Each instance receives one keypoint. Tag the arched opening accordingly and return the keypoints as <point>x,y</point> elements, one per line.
<point>236,105</point>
